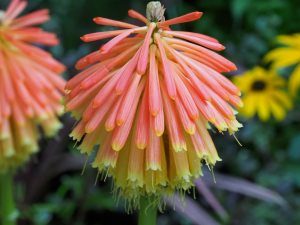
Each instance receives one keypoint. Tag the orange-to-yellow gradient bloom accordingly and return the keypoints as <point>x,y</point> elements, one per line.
<point>30,87</point>
<point>147,97</point>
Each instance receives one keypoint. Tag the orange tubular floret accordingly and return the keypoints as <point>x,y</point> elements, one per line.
<point>127,73</point>
<point>128,100</point>
<point>143,59</point>
<point>181,19</point>
<point>187,99</point>
<point>154,152</point>
<point>158,122</point>
<point>116,40</point>
<point>173,126</point>
<point>96,118</point>
<point>110,123</point>
<point>114,23</point>
<point>34,18</point>
<point>142,124</point>
<point>15,8</point>
<point>121,133</point>
<point>113,42</point>
<point>168,72</point>
<point>136,15</point>
<point>155,101</point>
<point>200,41</point>
<point>12,6</point>
<point>101,35</point>
<point>203,50</point>
<point>202,36</point>
<point>188,124</point>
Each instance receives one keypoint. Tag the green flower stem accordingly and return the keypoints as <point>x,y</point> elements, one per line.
<point>8,211</point>
<point>147,212</point>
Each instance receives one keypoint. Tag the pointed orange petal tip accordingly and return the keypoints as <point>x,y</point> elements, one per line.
<point>141,146</point>
<point>154,167</point>
<point>89,129</point>
<point>191,130</point>
<point>182,19</point>
<point>109,128</point>
<point>95,105</point>
<point>197,15</point>
<point>136,15</point>
<point>158,133</point>
<point>154,112</point>
<point>177,147</point>
<point>222,47</point>
<point>103,51</point>
<point>173,97</point>
<point>120,122</point>
<point>115,146</point>
<point>118,91</point>
<point>96,19</point>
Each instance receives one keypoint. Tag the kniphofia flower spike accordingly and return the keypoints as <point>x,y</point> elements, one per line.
<point>146,97</point>
<point>30,87</point>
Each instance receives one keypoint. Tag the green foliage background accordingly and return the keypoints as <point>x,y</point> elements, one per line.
<point>51,189</point>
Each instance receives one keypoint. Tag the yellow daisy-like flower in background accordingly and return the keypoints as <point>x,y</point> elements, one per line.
<point>287,55</point>
<point>263,94</point>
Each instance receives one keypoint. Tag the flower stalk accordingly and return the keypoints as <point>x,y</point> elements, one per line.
<point>8,212</point>
<point>147,212</point>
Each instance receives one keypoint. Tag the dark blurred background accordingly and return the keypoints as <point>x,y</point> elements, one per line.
<point>258,183</point>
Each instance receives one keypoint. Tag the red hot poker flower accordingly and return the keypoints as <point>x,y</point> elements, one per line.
<point>147,97</point>
<point>30,88</point>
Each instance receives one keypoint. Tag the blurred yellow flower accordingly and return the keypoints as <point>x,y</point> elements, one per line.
<point>287,55</point>
<point>263,93</point>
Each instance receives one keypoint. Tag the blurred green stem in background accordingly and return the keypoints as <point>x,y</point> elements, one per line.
<point>147,212</point>
<point>8,212</point>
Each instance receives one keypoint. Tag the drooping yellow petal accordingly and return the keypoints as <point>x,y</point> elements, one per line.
<point>277,110</point>
<point>294,81</point>
<point>290,40</point>
<point>263,108</point>
<point>250,105</point>
<point>283,98</point>
<point>283,57</point>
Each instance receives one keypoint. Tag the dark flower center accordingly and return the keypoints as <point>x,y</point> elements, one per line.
<point>259,85</point>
